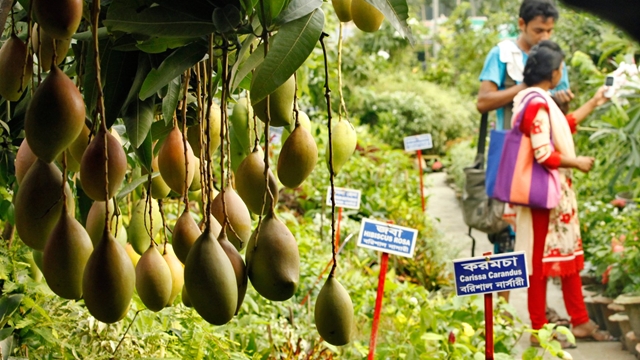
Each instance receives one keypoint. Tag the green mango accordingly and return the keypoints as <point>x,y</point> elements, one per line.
<point>334,313</point>
<point>65,257</point>
<point>210,280</point>
<point>138,230</point>
<point>273,260</point>
<point>365,16</point>
<point>153,279</point>
<point>280,105</point>
<point>344,140</point>
<point>108,281</point>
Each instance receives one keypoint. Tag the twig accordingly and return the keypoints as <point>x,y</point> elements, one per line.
<point>125,333</point>
<point>327,95</point>
<point>224,126</point>
<point>95,18</point>
<point>265,39</point>
<point>343,106</point>
<point>187,76</point>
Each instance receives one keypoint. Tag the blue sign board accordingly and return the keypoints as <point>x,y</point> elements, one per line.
<point>345,198</point>
<point>418,142</point>
<point>492,273</point>
<point>392,239</point>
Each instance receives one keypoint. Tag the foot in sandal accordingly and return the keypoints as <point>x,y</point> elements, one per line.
<point>589,332</point>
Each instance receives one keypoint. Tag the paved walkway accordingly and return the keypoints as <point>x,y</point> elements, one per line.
<point>444,207</point>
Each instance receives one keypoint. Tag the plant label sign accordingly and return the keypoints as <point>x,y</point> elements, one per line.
<point>345,198</point>
<point>418,142</point>
<point>275,134</point>
<point>492,273</point>
<point>388,238</point>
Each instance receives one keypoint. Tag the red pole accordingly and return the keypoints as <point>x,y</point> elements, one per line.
<point>376,314</point>
<point>421,180</point>
<point>488,323</point>
<point>338,228</point>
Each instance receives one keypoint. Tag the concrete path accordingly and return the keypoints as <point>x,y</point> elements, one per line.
<point>444,207</point>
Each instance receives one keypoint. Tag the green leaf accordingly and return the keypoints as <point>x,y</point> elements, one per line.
<point>271,10</point>
<point>291,47</point>
<point>566,332</point>
<point>145,152</point>
<point>144,66</point>
<point>128,188</point>
<point>226,19</point>
<point>170,101</point>
<point>160,21</point>
<point>159,131</point>
<point>397,12</point>
<point>432,337</point>
<point>138,118</point>
<point>253,61</point>
<point>90,85</point>
<point>119,75</point>
<point>530,354</point>
<point>103,33</point>
<point>246,46</point>
<point>157,45</point>
<point>297,9</point>
<point>8,305</point>
<point>173,66</point>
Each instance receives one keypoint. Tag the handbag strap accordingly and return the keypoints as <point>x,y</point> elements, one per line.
<point>482,141</point>
<point>527,99</point>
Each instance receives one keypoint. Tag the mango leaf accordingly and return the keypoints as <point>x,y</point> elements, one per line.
<point>291,47</point>
<point>89,79</point>
<point>129,187</point>
<point>8,305</point>
<point>397,12</point>
<point>138,118</point>
<point>246,45</point>
<point>145,152</point>
<point>119,75</point>
<point>253,61</point>
<point>103,33</point>
<point>170,101</point>
<point>297,9</point>
<point>157,45</point>
<point>159,131</point>
<point>197,8</point>
<point>124,15</point>
<point>173,66</point>
<point>143,68</point>
<point>271,10</point>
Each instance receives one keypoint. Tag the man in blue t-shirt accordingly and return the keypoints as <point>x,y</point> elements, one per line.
<point>501,79</point>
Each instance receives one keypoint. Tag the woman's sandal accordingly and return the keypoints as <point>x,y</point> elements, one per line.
<point>554,317</point>
<point>595,334</point>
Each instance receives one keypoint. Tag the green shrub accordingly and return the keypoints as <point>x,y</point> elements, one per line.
<point>415,107</point>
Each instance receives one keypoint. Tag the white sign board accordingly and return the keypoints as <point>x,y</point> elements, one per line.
<point>345,198</point>
<point>418,142</point>
<point>392,239</point>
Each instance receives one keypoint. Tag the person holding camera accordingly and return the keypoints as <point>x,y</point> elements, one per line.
<point>501,80</point>
<point>551,237</point>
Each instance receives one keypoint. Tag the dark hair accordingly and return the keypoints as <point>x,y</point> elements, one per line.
<point>544,58</point>
<point>530,9</point>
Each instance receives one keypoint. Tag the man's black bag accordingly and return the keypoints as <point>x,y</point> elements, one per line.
<point>480,211</point>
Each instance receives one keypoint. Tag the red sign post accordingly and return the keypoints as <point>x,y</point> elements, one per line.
<point>488,322</point>
<point>384,261</point>
<point>424,208</point>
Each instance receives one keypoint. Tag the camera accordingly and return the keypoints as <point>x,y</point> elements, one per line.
<point>611,83</point>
